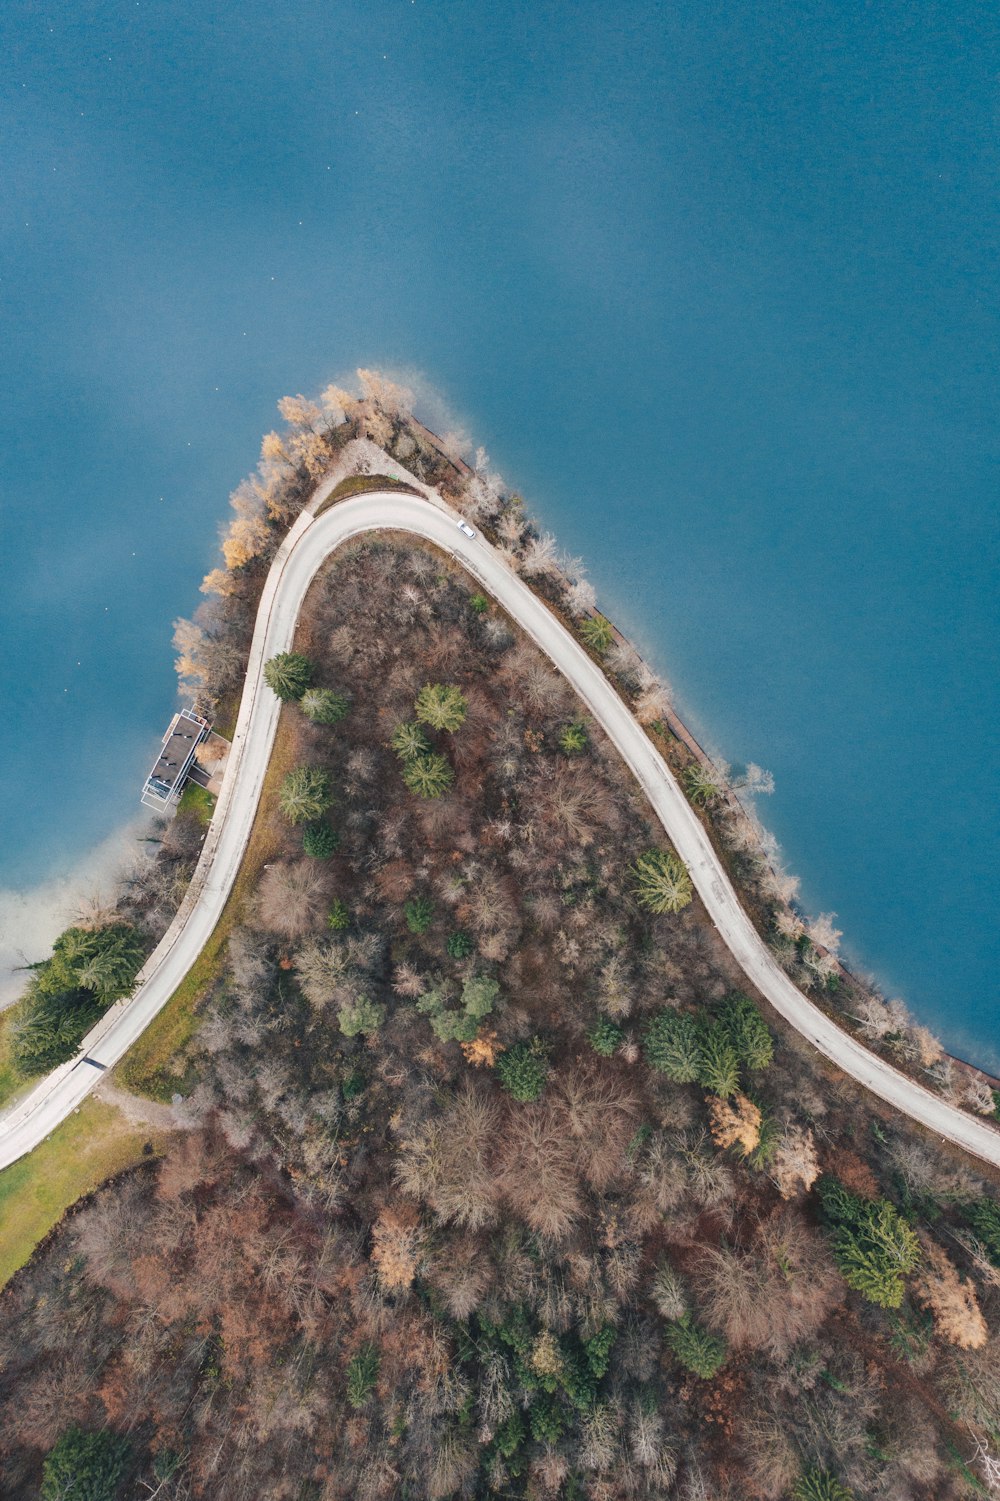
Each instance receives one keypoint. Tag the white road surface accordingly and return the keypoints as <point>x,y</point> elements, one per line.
<point>307,545</point>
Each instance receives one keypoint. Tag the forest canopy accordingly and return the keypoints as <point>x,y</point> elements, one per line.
<point>495,1178</point>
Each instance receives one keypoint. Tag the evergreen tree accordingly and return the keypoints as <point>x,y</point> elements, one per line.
<point>748,1032</point>
<point>672,1044</point>
<point>339,916</point>
<point>873,1245</point>
<point>288,675</point>
<point>50,1028</point>
<point>109,961</point>
<point>89,969</point>
<point>451,1023</point>
<point>695,1348</point>
<point>85,1465</point>
<point>324,706</point>
<point>699,783</point>
<point>718,1065</point>
<point>983,1216</point>
<point>661,881</point>
<point>573,738</point>
<point>818,1484</point>
<point>360,1015</point>
<point>597,632</point>
<point>305,794</point>
<point>605,1037</point>
<point>428,776</point>
<point>410,740</point>
<point>459,945</point>
<point>320,841</point>
<point>442,706</point>
<point>419,914</point>
<point>362,1374</point>
<point>523,1069</point>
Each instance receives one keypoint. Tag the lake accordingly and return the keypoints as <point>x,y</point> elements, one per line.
<point>715,286</point>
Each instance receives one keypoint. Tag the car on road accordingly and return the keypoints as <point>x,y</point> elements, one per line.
<point>464,526</point>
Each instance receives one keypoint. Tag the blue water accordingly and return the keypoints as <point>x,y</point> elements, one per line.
<point>716,286</point>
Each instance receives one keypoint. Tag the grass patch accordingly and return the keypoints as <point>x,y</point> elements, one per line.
<point>227,711</point>
<point>35,1193</point>
<point>11,1082</point>
<point>154,1066</point>
<point>199,801</point>
<point>362,484</point>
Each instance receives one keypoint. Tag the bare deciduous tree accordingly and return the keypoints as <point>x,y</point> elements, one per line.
<point>775,1292</point>
<point>291,898</point>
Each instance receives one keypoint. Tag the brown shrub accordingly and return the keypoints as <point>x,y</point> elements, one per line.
<point>461,1272</point>
<point>291,898</point>
<point>395,881</point>
<point>599,1119</point>
<point>397,1243</point>
<point>854,1173</point>
<point>449,1164</point>
<point>537,1170</point>
<point>951,1300</point>
<point>773,1294</point>
<point>735,1124</point>
<point>795,1165</point>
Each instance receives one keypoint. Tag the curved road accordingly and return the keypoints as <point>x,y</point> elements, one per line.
<point>308,544</point>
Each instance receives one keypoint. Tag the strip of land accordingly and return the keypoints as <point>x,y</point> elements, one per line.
<point>309,543</point>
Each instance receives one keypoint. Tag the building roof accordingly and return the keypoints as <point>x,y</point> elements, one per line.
<point>177,752</point>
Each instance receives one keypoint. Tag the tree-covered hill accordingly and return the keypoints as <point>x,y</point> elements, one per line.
<point>501,1182</point>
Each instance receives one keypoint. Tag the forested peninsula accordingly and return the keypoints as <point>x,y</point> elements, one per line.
<point>469,1164</point>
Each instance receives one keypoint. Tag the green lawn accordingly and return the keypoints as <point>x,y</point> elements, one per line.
<point>95,1142</point>
<point>196,800</point>
<point>11,1083</point>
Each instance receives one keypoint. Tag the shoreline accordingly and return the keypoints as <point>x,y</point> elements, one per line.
<point>680,731</point>
<point>464,488</point>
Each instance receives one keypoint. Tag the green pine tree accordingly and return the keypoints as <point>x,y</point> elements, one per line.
<point>818,1484</point>
<point>748,1032</point>
<point>605,1037</point>
<point>419,914</point>
<point>597,632</point>
<point>428,776</point>
<point>410,740</point>
<point>695,1348</point>
<point>288,675</point>
<point>305,794</point>
<point>672,1044</point>
<point>362,1374</point>
<point>85,1465</point>
<point>718,1065</point>
<point>320,841</point>
<point>573,738</point>
<point>442,706</point>
<point>661,881</point>
<point>324,706</point>
<point>524,1069</point>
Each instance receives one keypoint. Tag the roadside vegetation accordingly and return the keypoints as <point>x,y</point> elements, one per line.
<point>213,648</point>
<point>498,1179</point>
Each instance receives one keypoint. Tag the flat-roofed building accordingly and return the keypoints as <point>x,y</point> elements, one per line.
<point>165,782</point>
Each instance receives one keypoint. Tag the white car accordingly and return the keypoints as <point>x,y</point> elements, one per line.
<point>464,526</point>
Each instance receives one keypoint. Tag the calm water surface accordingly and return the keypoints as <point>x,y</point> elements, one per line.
<point>716,286</point>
